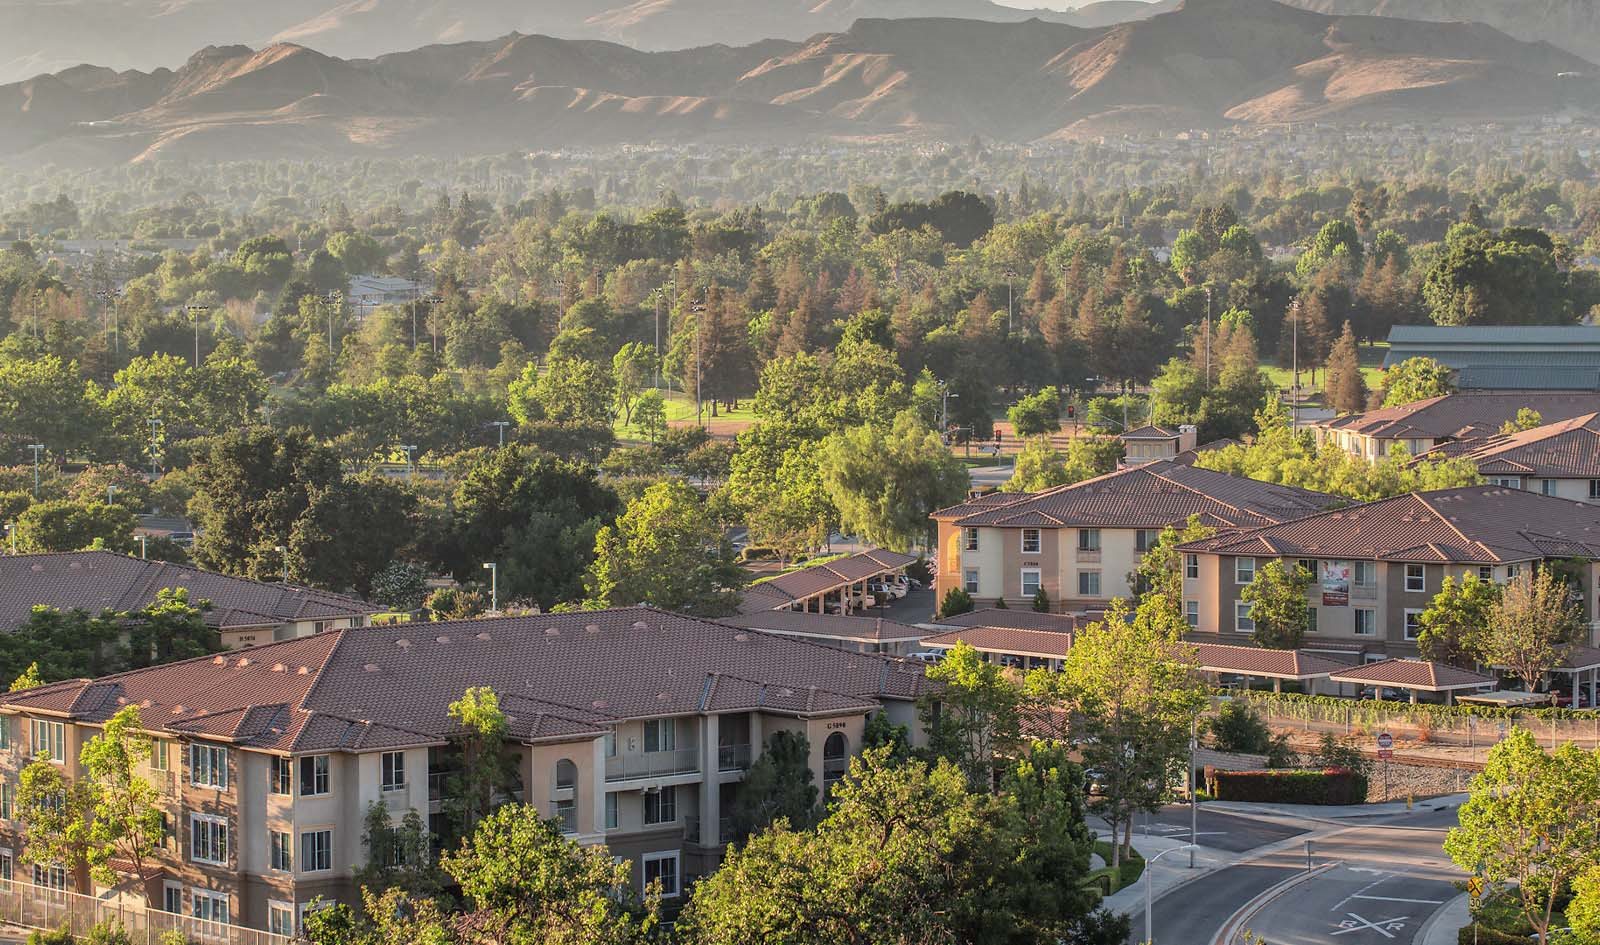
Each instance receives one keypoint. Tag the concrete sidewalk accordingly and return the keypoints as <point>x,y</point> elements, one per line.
<point>1168,873</point>
<point>1443,926</point>
<point>1335,812</point>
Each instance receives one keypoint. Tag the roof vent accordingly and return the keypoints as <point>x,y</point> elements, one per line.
<point>599,704</point>
<point>403,643</point>
<point>370,667</point>
<point>785,691</point>
<point>278,667</point>
<point>36,568</point>
<point>441,639</point>
<point>663,697</point>
<point>742,637</point>
<point>551,632</point>
<point>483,637</point>
<point>74,566</point>
<point>177,710</point>
<point>243,662</point>
<point>301,671</point>
<point>588,628</point>
<point>637,625</point>
<point>220,660</point>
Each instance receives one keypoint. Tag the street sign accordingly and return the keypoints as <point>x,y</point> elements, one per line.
<point>1474,887</point>
<point>1385,746</point>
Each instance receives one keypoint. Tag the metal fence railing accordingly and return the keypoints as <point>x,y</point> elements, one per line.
<point>48,908</point>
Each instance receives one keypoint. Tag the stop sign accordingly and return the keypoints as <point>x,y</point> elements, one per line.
<point>1385,741</point>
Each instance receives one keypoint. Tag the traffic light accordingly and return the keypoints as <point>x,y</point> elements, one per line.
<point>1072,411</point>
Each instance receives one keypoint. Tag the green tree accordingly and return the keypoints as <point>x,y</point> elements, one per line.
<point>1415,379</point>
<point>664,550</point>
<point>1337,241</point>
<point>251,487</point>
<point>399,856</point>
<point>975,717</point>
<point>1532,626</point>
<point>1343,387</point>
<point>1507,279</point>
<point>29,679</point>
<point>62,525</point>
<point>55,815</point>
<point>350,533</point>
<point>956,602</point>
<point>778,786</point>
<point>1038,414</point>
<point>1041,466</point>
<point>1278,605</point>
<point>1457,620</point>
<point>885,484</point>
<point>1532,822</point>
<point>1583,913</point>
<point>486,773</point>
<point>633,366</point>
<point>650,414</point>
<point>1526,419</point>
<point>125,810</point>
<point>1160,570</point>
<point>1134,693</point>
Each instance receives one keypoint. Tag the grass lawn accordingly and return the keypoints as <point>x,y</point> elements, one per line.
<point>680,411</point>
<point>1370,356</point>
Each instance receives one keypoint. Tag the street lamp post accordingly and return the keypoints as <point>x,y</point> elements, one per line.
<point>335,306</point>
<point>1149,890</point>
<point>494,586</point>
<point>1208,336</point>
<point>155,424</point>
<point>144,549</point>
<point>1294,359</point>
<point>1194,794</point>
<point>411,460</point>
<point>11,532</point>
<point>283,561</point>
<point>500,425</point>
<point>37,448</point>
<point>194,312</point>
<point>1011,275</point>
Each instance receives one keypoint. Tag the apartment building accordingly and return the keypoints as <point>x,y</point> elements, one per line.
<point>1151,443</point>
<point>634,727</point>
<point>1081,542</point>
<point>1560,459</point>
<point>1377,566</point>
<point>1426,424</point>
<point>243,612</point>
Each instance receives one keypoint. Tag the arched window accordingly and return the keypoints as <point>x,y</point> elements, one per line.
<point>565,801</point>
<point>835,759</point>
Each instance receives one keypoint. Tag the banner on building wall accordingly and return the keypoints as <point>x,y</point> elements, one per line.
<point>1335,583</point>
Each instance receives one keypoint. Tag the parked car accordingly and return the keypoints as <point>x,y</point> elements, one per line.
<point>927,656</point>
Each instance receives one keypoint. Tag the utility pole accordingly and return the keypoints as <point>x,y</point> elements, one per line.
<point>37,449</point>
<point>194,312</point>
<point>335,305</point>
<point>1208,342</point>
<point>1011,275</point>
<point>698,308</point>
<point>501,425</point>
<point>155,424</point>
<point>494,586</point>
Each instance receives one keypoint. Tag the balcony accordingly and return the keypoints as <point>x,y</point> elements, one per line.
<point>692,832</point>
<point>437,782</point>
<point>567,813</point>
<point>652,764</point>
<point>1088,556</point>
<point>733,757</point>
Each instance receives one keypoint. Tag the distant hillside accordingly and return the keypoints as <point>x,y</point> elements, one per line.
<point>1209,63</point>
<point>1573,25</point>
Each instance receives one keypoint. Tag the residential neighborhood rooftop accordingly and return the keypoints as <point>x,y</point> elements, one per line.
<point>1473,415</point>
<point>1153,495</point>
<point>807,582</point>
<point>1567,449</point>
<point>1016,619</point>
<point>96,581</point>
<point>1472,524</point>
<point>1419,675</point>
<point>833,626</point>
<point>558,676</point>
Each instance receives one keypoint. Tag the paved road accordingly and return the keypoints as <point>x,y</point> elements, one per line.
<point>1218,830</point>
<point>1391,876</point>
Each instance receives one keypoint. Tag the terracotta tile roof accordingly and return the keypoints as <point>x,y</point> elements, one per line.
<point>820,578</point>
<point>834,626</point>
<point>102,580</point>
<point>1580,657</point>
<point>1566,449</point>
<point>1153,495</point>
<point>1015,619</point>
<point>1413,674</point>
<point>1462,416</point>
<point>1043,643</point>
<point>1473,524</point>
<point>991,500</point>
<point>559,676</point>
<point>1271,664</point>
<point>1151,433</point>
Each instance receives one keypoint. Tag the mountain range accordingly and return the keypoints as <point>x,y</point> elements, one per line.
<point>1573,25</point>
<point>1206,64</point>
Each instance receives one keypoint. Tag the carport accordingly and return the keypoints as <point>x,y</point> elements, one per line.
<point>1415,677</point>
<point>1218,659</point>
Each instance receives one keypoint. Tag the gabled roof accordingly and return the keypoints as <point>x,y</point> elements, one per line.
<point>1153,495</point>
<point>1413,674</point>
<point>1265,663</point>
<point>558,676</point>
<point>1566,449</point>
<point>830,626</point>
<point>1462,416</point>
<point>95,581</point>
<point>817,579</point>
<point>1049,644</point>
<point>1470,525</point>
<point>1151,433</point>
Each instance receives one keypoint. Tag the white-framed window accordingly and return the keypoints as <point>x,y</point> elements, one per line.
<point>662,867</point>
<point>1146,538</point>
<point>210,906</point>
<point>280,918</point>
<point>314,776</point>
<point>1594,488</point>
<point>613,811</point>
<point>1191,567</point>
<point>1311,619</point>
<point>1242,621</point>
<point>8,866</point>
<point>6,737</point>
<point>1244,570</point>
<point>316,850</point>
<point>1485,572</point>
<point>208,766</point>
<point>394,770</point>
<point>1547,486</point>
<point>1413,623</point>
<point>1032,542</point>
<point>280,776</point>
<point>1088,539</point>
<point>1365,574</point>
<point>1416,578</point>
<point>661,807</point>
<point>8,801</point>
<point>1191,613</point>
<point>160,754</point>
<point>172,897</point>
<point>969,580</point>
<point>661,735</point>
<point>1506,482</point>
<point>1030,582</point>
<point>1366,622</point>
<point>208,839</point>
<point>282,855</point>
<point>969,539</point>
<point>1513,571</point>
<point>50,877</point>
<point>49,739</point>
<point>1088,583</point>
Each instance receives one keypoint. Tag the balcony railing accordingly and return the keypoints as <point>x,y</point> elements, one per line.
<point>567,813</point>
<point>733,757</point>
<point>437,780</point>
<point>1088,555</point>
<point>653,764</point>
<point>43,907</point>
<point>693,834</point>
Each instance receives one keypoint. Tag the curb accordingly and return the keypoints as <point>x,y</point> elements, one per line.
<point>1236,922</point>
<point>1442,926</point>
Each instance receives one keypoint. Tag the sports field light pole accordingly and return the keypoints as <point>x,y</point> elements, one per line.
<point>501,425</point>
<point>155,424</point>
<point>1149,890</point>
<point>494,586</point>
<point>37,449</point>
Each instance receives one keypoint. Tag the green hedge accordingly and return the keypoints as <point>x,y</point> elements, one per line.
<point>1109,879</point>
<point>1333,786</point>
<point>1488,936</point>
